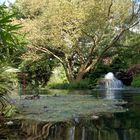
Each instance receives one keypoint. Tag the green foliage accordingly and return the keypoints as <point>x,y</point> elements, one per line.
<point>11,44</point>
<point>11,47</point>
<point>30,9</point>
<point>37,72</point>
<point>136,81</point>
<point>7,80</point>
<point>77,33</point>
<point>130,54</point>
<point>6,108</point>
<point>118,63</point>
<point>10,111</point>
<point>83,84</point>
<point>98,72</point>
<point>58,78</point>
<point>58,86</point>
<point>10,41</point>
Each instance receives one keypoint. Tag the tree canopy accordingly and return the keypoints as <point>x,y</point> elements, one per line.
<point>75,32</point>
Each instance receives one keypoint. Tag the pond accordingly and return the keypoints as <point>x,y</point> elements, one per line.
<point>77,115</point>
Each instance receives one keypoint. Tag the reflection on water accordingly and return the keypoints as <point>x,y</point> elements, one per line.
<point>109,126</point>
<point>112,94</point>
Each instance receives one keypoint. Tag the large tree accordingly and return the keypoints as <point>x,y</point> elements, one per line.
<point>78,33</point>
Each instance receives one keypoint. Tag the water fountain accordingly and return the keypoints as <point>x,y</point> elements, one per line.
<point>111,82</point>
<point>111,85</point>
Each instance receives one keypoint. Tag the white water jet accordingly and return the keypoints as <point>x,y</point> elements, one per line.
<point>111,82</point>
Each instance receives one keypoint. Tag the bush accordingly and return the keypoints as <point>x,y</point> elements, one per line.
<point>136,81</point>
<point>118,64</point>
<point>83,84</point>
<point>37,72</point>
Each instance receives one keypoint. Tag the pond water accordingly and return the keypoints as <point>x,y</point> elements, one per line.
<point>116,116</point>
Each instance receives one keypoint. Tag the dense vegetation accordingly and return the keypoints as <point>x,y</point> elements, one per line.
<point>11,47</point>
<point>11,44</point>
<point>69,44</point>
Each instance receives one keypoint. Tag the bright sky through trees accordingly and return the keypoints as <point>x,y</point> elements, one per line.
<point>7,2</point>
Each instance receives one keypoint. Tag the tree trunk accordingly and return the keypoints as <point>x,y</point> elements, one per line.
<point>79,76</point>
<point>68,71</point>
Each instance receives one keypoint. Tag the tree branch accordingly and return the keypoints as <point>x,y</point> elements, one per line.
<point>45,50</point>
<point>109,8</point>
<point>79,52</point>
<point>92,37</point>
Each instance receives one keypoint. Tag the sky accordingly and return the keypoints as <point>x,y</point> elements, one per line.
<point>7,1</point>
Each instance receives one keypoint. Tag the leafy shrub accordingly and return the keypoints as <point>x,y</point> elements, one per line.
<point>10,111</point>
<point>83,84</point>
<point>136,81</point>
<point>118,64</point>
<point>37,72</point>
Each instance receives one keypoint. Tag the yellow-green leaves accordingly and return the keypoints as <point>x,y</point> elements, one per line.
<point>63,20</point>
<point>81,30</point>
<point>30,8</point>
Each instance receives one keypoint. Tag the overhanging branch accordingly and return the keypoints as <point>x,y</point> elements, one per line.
<point>45,50</point>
